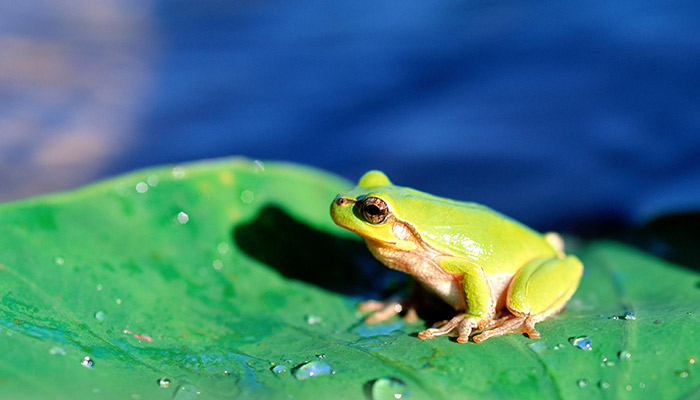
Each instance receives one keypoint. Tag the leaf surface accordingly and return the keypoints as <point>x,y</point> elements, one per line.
<point>221,279</point>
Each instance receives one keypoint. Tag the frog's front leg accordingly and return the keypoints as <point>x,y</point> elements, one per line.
<point>383,310</point>
<point>538,291</point>
<point>476,307</point>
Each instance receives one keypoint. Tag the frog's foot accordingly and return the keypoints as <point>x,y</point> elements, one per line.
<point>461,323</point>
<point>509,324</point>
<point>383,310</point>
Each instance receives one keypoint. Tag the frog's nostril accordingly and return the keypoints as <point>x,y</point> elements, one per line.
<point>341,201</point>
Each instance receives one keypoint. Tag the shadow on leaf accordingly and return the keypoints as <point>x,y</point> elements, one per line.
<point>301,252</point>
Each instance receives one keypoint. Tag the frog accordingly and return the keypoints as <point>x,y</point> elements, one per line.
<point>497,274</point>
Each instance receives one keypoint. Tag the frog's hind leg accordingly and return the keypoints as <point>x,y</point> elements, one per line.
<point>555,240</point>
<point>537,292</point>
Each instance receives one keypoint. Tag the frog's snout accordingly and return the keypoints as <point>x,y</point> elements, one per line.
<point>338,208</point>
<point>341,201</point>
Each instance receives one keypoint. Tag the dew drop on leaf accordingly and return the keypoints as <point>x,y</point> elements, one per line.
<point>278,369</point>
<point>142,187</point>
<point>390,389</point>
<point>247,196</point>
<point>312,369</point>
<point>604,385</point>
<point>178,172</point>
<point>57,351</point>
<point>182,217</point>
<point>624,355</point>
<point>164,383</point>
<point>582,383</point>
<point>222,247</point>
<point>87,362</point>
<point>582,342</point>
<point>100,316</point>
<point>537,347</point>
<point>153,180</point>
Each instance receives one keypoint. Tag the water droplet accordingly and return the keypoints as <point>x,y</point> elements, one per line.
<point>87,362</point>
<point>537,347</point>
<point>278,369</point>
<point>217,264</point>
<point>603,385</point>
<point>164,383</point>
<point>57,351</point>
<point>99,287</point>
<point>100,316</point>
<point>321,356</point>
<point>186,391</point>
<point>642,385</point>
<point>692,360</point>
<point>247,196</point>
<point>559,346</point>
<point>59,260</point>
<point>683,374</point>
<point>582,383</point>
<point>582,342</point>
<point>657,322</point>
<point>607,363</point>
<point>312,369</point>
<point>182,217</point>
<point>312,319</point>
<point>629,316</point>
<point>118,301</point>
<point>624,355</point>
<point>222,247</point>
<point>390,389</point>
<point>178,172</point>
<point>153,180</point>
<point>628,388</point>
<point>142,187</point>
<point>259,164</point>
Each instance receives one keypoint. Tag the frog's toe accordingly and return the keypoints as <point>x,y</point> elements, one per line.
<point>381,310</point>
<point>513,324</point>
<point>460,325</point>
<point>465,329</point>
<point>442,328</point>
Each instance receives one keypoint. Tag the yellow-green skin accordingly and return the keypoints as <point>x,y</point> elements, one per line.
<point>499,275</point>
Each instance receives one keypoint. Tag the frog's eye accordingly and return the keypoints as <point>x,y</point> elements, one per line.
<point>374,210</point>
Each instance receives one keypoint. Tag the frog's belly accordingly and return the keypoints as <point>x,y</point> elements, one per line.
<point>421,265</point>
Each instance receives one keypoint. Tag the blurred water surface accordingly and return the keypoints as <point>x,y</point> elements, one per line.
<point>566,115</point>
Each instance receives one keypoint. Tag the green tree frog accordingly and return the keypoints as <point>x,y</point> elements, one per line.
<point>499,275</point>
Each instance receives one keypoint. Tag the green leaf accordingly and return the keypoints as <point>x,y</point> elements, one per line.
<point>224,278</point>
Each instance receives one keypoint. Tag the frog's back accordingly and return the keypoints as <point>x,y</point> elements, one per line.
<point>472,231</point>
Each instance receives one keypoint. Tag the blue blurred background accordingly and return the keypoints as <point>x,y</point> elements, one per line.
<point>574,115</point>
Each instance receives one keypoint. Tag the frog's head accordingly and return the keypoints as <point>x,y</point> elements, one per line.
<point>368,211</point>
